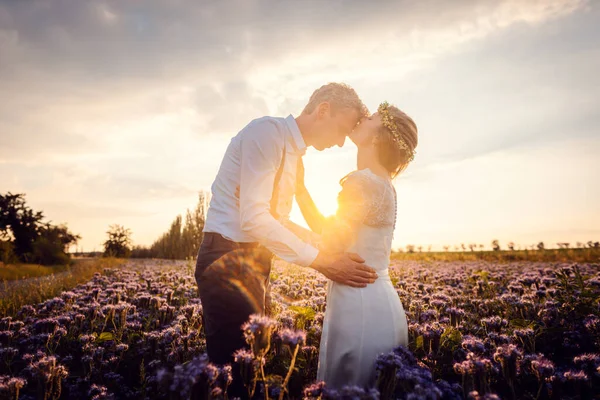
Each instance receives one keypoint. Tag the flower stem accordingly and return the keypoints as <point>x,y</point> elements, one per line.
<point>289,374</point>
<point>262,372</point>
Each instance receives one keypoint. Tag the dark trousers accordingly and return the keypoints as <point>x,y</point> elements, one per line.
<point>233,283</point>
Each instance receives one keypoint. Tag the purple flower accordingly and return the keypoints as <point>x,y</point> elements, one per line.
<point>471,343</point>
<point>588,362</point>
<point>456,315</point>
<point>292,338</point>
<point>474,395</point>
<point>257,332</point>
<point>508,355</point>
<point>350,393</point>
<point>314,391</point>
<point>576,376</point>
<point>494,323</point>
<point>10,386</point>
<point>542,368</point>
<point>122,347</point>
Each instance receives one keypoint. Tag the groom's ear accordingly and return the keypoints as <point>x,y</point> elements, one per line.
<point>323,109</point>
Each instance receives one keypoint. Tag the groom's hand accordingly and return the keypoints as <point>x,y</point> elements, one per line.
<point>345,268</point>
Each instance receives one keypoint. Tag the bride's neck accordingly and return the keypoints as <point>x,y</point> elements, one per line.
<point>366,158</point>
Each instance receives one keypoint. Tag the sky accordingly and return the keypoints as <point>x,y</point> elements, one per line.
<point>119,112</point>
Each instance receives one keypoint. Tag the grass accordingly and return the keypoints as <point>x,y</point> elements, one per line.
<point>12,272</point>
<point>578,255</point>
<point>17,293</point>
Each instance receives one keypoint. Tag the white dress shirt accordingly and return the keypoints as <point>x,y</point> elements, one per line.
<point>251,161</point>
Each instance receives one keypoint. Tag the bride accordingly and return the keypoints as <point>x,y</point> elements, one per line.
<point>361,323</point>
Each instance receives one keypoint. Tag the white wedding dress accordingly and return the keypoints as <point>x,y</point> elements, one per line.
<point>361,323</point>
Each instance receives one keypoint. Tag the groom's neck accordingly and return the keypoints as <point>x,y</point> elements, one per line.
<point>304,123</point>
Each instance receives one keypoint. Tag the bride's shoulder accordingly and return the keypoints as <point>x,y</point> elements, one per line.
<point>353,177</point>
<point>361,178</point>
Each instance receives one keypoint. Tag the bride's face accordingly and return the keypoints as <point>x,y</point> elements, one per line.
<point>364,134</point>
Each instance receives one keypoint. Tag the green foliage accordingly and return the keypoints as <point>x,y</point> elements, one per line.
<point>52,244</point>
<point>48,252</point>
<point>419,344</point>
<point>20,221</point>
<point>303,316</point>
<point>24,237</point>
<point>183,238</point>
<point>118,243</point>
<point>105,336</point>
<point>451,339</point>
<point>7,253</point>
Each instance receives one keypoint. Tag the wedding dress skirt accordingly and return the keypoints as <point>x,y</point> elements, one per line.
<point>361,323</point>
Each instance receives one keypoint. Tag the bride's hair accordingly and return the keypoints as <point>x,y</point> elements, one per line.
<point>393,157</point>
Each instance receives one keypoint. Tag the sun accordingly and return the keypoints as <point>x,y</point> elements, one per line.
<point>324,198</point>
<point>326,202</point>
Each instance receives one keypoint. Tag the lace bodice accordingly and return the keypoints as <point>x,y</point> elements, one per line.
<point>367,198</point>
<point>367,202</point>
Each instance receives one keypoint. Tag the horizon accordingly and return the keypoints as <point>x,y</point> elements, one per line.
<point>120,113</point>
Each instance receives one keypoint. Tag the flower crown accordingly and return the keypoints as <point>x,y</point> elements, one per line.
<point>388,122</point>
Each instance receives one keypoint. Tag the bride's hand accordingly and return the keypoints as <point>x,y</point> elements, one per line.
<point>345,268</point>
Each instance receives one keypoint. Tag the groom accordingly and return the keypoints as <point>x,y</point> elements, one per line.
<point>242,235</point>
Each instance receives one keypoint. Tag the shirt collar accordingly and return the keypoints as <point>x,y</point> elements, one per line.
<point>298,140</point>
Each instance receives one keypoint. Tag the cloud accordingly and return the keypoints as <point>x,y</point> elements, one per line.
<point>103,62</point>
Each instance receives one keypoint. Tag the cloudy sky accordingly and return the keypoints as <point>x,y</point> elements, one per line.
<point>120,111</point>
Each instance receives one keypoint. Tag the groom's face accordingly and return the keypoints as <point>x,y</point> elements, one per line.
<point>333,127</point>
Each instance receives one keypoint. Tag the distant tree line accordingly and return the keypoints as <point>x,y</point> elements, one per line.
<point>183,238</point>
<point>495,246</point>
<point>25,237</point>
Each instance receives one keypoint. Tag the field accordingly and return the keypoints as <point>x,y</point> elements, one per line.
<point>24,284</point>
<point>478,329</point>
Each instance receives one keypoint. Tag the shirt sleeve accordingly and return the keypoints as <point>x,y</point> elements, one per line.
<point>261,152</point>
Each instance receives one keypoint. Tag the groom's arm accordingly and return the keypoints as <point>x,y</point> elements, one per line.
<point>261,151</point>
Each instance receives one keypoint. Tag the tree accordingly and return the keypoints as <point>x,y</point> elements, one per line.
<point>7,253</point>
<point>410,248</point>
<point>511,246</point>
<point>540,246</point>
<point>52,244</point>
<point>118,243</point>
<point>20,222</point>
<point>24,237</point>
<point>183,238</point>
<point>495,245</point>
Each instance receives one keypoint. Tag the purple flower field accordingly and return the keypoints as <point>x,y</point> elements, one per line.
<point>478,330</point>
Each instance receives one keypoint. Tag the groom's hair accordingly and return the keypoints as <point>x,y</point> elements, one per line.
<point>339,96</point>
